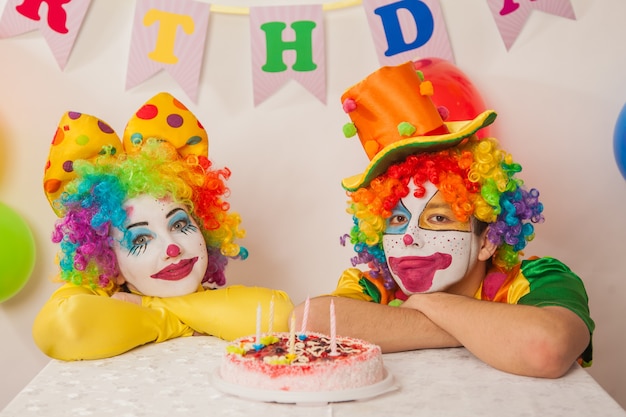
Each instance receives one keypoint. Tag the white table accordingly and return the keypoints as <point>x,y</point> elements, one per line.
<point>174,379</point>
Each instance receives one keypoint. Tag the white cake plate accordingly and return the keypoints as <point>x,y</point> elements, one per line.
<point>304,397</point>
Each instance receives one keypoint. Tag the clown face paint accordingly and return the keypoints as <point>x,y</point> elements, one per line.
<point>426,247</point>
<point>161,251</point>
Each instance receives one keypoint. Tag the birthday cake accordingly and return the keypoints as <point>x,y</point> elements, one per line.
<point>311,362</point>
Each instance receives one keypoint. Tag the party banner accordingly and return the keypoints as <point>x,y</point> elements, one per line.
<point>168,35</point>
<point>407,30</point>
<point>59,26</point>
<point>511,15</point>
<point>287,43</point>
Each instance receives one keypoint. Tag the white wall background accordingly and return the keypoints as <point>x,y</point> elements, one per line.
<point>558,92</point>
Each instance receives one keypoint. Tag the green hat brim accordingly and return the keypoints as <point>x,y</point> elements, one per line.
<point>399,150</point>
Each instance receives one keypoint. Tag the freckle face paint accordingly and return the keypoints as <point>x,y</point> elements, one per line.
<point>426,247</point>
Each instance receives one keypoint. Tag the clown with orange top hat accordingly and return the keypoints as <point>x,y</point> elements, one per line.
<point>440,219</point>
<point>145,236</point>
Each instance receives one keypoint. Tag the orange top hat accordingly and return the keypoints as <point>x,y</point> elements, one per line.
<point>393,115</point>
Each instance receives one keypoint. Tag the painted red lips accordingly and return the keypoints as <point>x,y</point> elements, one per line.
<point>417,272</point>
<point>177,271</point>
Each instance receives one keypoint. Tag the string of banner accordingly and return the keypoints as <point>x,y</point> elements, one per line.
<point>216,8</point>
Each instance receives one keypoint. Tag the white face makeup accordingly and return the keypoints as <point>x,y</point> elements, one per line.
<point>426,247</point>
<point>163,253</point>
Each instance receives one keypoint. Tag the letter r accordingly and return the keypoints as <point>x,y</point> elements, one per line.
<point>57,17</point>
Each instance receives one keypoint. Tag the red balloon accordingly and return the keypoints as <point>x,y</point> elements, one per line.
<point>453,90</point>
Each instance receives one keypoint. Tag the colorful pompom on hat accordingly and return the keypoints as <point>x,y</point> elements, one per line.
<point>85,137</point>
<point>393,115</point>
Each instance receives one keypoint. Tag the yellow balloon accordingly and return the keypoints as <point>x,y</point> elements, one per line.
<point>17,253</point>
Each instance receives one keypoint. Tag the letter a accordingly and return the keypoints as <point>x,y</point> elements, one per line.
<point>509,6</point>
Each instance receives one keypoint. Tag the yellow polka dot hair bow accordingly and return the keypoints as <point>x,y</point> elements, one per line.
<point>82,136</point>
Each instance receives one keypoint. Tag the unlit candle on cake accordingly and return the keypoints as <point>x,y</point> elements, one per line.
<point>258,324</point>
<point>333,330</point>
<point>292,334</point>
<point>305,317</point>
<point>270,325</point>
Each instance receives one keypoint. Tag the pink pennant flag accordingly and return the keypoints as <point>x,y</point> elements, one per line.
<point>406,30</point>
<point>59,22</point>
<point>511,15</point>
<point>168,35</point>
<point>287,43</point>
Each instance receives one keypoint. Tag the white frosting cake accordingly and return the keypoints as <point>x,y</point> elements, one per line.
<point>309,365</point>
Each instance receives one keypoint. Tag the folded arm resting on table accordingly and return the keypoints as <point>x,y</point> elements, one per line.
<point>525,340</point>
<point>227,313</point>
<point>539,328</point>
<point>392,328</point>
<point>80,323</point>
<point>521,339</point>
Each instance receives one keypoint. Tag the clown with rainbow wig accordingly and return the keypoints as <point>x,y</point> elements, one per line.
<point>440,222</point>
<point>145,235</point>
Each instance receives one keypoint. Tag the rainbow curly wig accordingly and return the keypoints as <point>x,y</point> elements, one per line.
<point>477,179</point>
<point>91,205</point>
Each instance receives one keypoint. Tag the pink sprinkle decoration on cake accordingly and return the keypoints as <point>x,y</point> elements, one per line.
<point>304,366</point>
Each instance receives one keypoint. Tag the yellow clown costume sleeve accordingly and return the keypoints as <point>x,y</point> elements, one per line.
<point>79,323</point>
<point>227,313</point>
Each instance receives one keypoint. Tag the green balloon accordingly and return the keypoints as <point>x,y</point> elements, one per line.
<point>17,253</point>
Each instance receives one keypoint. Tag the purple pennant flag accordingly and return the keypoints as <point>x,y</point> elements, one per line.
<point>287,43</point>
<point>59,22</point>
<point>405,30</point>
<point>511,15</point>
<point>168,35</point>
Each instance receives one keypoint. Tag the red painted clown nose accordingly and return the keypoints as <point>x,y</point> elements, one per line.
<point>173,250</point>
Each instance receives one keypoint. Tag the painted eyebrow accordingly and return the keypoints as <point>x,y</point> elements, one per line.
<point>130,226</point>
<point>167,216</point>
<point>171,213</point>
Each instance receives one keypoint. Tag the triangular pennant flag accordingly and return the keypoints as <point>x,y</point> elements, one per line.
<point>407,29</point>
<point>287,43</point>
<point>168,35</point>
<point>511,15</point>
<point>59,26</point>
